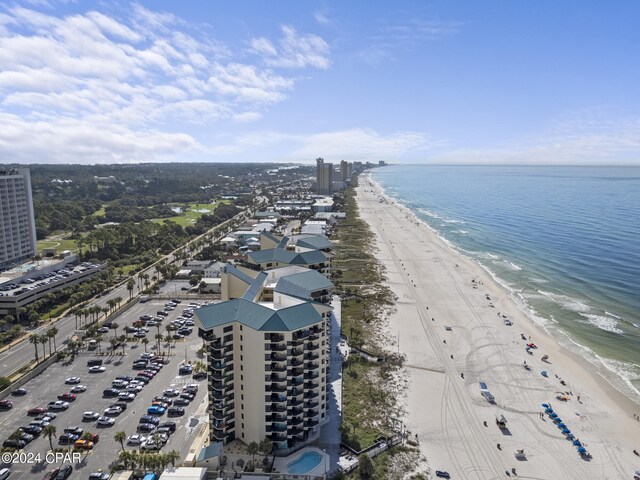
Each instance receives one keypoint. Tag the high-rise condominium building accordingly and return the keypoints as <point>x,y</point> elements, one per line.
<point>324,177</point>
<point>17,222</point>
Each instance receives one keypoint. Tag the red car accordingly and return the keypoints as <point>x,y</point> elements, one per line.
<point>67,397</point>
<point>5,405</point>
<point>92,437</point>
<point>36,411</point>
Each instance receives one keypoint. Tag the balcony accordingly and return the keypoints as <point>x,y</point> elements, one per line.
<point>275,388</point>
<point>314,337</point>
<point>296,352</point>
<point>313,346</point>
<point>278,347</point>
<point>274,377</point>
<point>293,402</point>
<point>296,421</point>
<point>275,398</point>
<point>277,417</point>
<point>297,371</point>
<point>314,412</point>
<point>311,423</point>
<point>312,356</point>
<point>276,337</point>
<point>296,411</point>
<point>311,395</point>
<point>311,385</point>
<point>301,335</point>
<point>311,375</point>
<point>275,407</point>
<point>293,432</point>
<point>278,357</point>
<point>278,436</point>
<point>217,435</point>
<point>219,366</point>
<point>279,427</point>
<point>278,367</point>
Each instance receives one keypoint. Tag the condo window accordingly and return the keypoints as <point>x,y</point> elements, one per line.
<point>227,329</point>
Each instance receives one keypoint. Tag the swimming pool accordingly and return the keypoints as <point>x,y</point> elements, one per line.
<point>304,463</point>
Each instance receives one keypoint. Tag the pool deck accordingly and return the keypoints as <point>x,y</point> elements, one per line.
<point>281,463</point>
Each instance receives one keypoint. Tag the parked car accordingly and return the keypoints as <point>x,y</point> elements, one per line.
<point>146,427</point>
<point>181,402</point>
<point>99,476</point>
<point>149,419</point>
<point>67,397</point>
<point>67,439</point>
<point>151,445</point>
<point>36,411</point>
<point>90,416</point>
<point>156,410</point>
<point>72,380</point>
<point>110,393</point>
<point>94,362</point>
<point>105,422</point>
<point>127,396</point>
<point>97,369</point>
<point>170,425</point>
<point>18,392</point>
<point>185,369</point>
<point>83,444</point>
<point>112,410</point>
<point>171,392</point>
<point>6,405</point>
<point>64,473</point>
<point>32,430</point>
<point>136,439</point>
<point>59,405</point>
<point>200,375</point>
<point>79,389</point>
<point>175,411</point>
<point>13,443</point>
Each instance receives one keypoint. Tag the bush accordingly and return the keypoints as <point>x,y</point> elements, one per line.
<point>4,383</point>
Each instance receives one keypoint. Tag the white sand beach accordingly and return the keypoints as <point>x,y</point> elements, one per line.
<point>438,287</point>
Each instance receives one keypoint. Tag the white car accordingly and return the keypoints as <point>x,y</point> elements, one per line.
<point>90,415</point>
<point>79,389</point>
<point>134,388</point>
<point>138,383</point>
<point>97,369</point>
<point>151,445</point>
<point>136,439</point>
<point>59,405</point>
<point>126,396</point>
<point>113,410</point>
<point>171,392</point>
<point>72,380</point>
<point>105,421</point>
<point>119,383</point>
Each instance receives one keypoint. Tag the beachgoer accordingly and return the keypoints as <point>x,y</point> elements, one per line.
<point>462,375</point>
<point>451,356</point>
<point>499,447</point>
<point>485,423</point>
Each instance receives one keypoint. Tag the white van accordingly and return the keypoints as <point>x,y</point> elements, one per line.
<point>4,473</point>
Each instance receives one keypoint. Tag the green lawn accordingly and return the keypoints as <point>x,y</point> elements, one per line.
<point>196,210</point>
<point>59,245</point>
<point>100,212</point>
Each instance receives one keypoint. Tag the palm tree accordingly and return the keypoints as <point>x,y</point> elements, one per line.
<point>159,338</point>
<point>266,446</point>
<point>131,283</point>
<point>49,431</point>
<point>118,300</point>
<point>115,327</point>
<point>34,338</point>
<point>120,437</point>
<point>52,332</point>
<point>145,342</point>
<point>123,342</point>
<point>173,456</point>
<point>98,340</point>
<point>43,340</point>
<point>252,449</point>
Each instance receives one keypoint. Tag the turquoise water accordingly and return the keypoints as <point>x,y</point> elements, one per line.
<point>304,463</point>
<point>564,240</point>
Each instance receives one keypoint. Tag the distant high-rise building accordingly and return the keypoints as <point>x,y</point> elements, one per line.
<point>324,177</point>
<point>344,171</point>
<point>17,221</point>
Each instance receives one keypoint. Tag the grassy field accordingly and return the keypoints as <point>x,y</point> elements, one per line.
<point>100,212</point>
<point>58,244</point>
<point>196,210</point>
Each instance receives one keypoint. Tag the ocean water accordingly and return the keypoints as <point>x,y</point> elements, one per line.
<point>565,241</point>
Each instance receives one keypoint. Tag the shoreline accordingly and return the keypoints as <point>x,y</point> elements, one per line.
<point>453,437</point>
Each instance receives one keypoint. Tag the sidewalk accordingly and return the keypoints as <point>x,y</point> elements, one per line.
<point>329,439</point>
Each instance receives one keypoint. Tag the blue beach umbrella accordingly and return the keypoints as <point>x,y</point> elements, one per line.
<point>561,426</point>
<point>548,410</point>
<point>571,436</point>
<point>546,405</point>
<point>577,443</point>
<point>553,415</point>
<point>557,420</point>
<point>566,431</point>
<point>582,450</point>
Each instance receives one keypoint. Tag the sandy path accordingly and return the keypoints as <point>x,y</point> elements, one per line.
<point>434,288</point>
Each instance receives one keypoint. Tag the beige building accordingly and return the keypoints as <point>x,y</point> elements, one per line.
<point>267,350</point>
<point>324,177</point>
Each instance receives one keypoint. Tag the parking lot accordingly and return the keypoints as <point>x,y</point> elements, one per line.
<point>47,386</point>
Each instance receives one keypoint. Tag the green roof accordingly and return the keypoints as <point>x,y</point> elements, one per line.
<point>287,256</point>
<point>319,242</point>
<point>257,316</point>
<point>302,284</point>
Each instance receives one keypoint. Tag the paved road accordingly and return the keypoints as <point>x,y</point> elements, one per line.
<point>48,385</point>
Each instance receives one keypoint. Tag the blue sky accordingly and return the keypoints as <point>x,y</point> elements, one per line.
<point>404,81</point>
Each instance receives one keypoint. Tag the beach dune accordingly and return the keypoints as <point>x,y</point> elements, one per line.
<point>450,324</point>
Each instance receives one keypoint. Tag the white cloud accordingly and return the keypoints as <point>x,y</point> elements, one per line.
<point>73,141</point>
<point>295,51</point>
<point>322,17</point>
<point>353,144</point>
<point>121,80</point>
